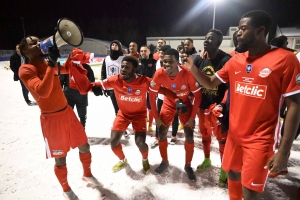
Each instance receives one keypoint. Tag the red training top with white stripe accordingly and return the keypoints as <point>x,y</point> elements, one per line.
<point>257,85</point>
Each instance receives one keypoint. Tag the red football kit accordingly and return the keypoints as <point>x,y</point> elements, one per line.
<point>182,84</point>
<point>60,126</point>
<point>131,99</point>
<point>257,85</point>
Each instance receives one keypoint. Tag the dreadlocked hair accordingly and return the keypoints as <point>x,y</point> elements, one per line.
<point>22,45</point>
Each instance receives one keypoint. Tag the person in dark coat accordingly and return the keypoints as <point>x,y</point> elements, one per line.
<point>147,67</point>
<point>16,60</point>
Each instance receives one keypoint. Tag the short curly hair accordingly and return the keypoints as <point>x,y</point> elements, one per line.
<point>260,18</point>
<point>133,60</point>
<point>218,33</point>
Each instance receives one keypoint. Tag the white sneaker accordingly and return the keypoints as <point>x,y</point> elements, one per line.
<point>91,180</point>
<point>173,141</point>
<point>154,143</point>
<point>70,195</point>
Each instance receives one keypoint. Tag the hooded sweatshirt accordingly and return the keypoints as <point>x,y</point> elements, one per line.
<point>112,63</point>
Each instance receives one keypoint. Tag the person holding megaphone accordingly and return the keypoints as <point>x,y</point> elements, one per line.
<point>60,126</point>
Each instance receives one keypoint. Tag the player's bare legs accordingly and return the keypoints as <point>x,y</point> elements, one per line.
<point>163,146</point>
<point>116,147</point>
<point>140,141</point>
<point>84,149</point>
<point>189,149</point>
<point>239,191</point>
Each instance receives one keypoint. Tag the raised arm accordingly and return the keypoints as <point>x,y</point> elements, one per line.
<point>30,78</point>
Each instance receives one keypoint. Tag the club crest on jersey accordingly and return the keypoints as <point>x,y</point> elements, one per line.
<point>249,68</point>
<point>298,79</point>
<point>113,70</point>
<point>173,86</point>
<point>152,83</point>
<point>265,72</point>
<point>137,92</point>
<point>129,90</point>
<point>183,87</point>
<point>197,84</point>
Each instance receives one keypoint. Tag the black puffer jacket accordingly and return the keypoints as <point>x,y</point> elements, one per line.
<point>147,67</point>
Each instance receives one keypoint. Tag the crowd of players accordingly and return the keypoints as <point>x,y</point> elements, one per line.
<point>236,96</point>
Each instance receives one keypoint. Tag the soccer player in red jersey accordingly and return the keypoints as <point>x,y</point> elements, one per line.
<point>259,79</point>
<point>178,79</point>
<point>60,126</point>
<point>131,90</point>
<point>212,61</point>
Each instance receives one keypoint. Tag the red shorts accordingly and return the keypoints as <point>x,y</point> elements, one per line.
<point>250,162</point>
<point>121,123</point>
<point>168,112</point>
<point>61,131</point>
<point>207,130</point>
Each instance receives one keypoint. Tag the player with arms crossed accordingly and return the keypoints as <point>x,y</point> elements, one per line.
<point>258,78</point>
<point>130,89</point>
<point>178,79</point>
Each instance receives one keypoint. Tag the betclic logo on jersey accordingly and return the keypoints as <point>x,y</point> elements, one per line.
<point>251,90</point>
<point>133,99</point>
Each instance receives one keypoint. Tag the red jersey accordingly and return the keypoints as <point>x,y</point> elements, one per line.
<point>257,85</point>
<point>44,85</point>
<point>183,83</point>
<point>131,97</point>
<point>137,55</point>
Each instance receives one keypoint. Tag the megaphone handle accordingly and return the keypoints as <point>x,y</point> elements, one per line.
<point>58,68</point>
<point>54,40</point>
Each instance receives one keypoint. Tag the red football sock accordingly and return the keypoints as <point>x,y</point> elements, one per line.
<point>206,141</point>
<point>61,173</point>
<point>189,152</point>
<point>118,151</point>
<point>86,160</point>
<point>144,154</point>
<point>163,148</point>
<point>235,189</point>
<point>221,149</point>
<point>150,117</point>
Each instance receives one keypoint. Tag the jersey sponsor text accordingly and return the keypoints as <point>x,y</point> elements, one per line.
<point>134,99</point>
<point>252,90</point>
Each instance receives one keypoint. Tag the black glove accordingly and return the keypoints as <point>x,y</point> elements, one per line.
<point>97,91</point>
<point>180,107</point>
<point>53,55</point>
<point>106,93</point>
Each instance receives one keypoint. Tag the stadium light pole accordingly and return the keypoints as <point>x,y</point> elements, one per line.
<point>215,1</point>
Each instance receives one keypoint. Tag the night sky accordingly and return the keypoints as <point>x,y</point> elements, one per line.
<point>99,18</point>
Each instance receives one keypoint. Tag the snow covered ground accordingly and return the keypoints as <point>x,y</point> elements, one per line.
<point>26,174</point>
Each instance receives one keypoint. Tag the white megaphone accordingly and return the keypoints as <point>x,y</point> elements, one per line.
<point>67,33</point>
